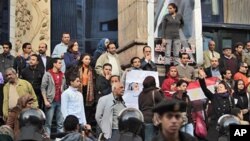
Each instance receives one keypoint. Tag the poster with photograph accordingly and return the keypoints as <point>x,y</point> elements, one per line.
<point>134,86</point>
<point>190,33</point>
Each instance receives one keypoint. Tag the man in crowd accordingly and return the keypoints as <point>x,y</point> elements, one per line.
<point>146,61</point>
<point>185,71</point>
<point>228,61</point>
<point>13,89</point>
<point>22,60</point>
<point>44,60</point>
<point>107,111</point>
<point>6,59</point>
<point>238,52</point>
<point>109,57</point>
<point>34,75</point>
<point>241,74</point>
<point>170,117</point>
<point>246,56</point>
<point>103,86</point>
<point>61,48</point>
<point>53,84</point>
<point>209,54</point>
<point>213,70</point>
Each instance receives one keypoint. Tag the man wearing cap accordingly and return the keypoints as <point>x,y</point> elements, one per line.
<point>170,119</point>
<point>227,61</point>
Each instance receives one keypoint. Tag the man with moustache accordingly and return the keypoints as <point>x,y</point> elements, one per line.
<point>170,118</point>
<point>44,60</point>
<point>34,75</point>
<point>107,111</point>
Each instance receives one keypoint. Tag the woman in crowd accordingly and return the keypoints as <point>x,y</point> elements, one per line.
<point>171,24</point>
<point>169,84</point>
<point>86,74</point>
<point>221,103</point>
<point>241,98</point>
<point>101,48</point>
<point>23,102</point>
<point>72,56</point>
<point>149,97</point>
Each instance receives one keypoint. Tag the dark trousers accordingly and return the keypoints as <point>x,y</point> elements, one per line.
<point>89,110</point>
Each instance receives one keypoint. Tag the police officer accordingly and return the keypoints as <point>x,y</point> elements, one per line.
<point>130,122</point>
<point>170,118</point>
<point>31,122</point>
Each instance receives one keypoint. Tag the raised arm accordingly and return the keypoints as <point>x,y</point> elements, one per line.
<point>203,85</point>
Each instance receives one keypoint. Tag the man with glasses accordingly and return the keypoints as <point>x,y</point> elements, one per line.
<point>170,117</point>
<point>146,61</point>
<point>241,74</point>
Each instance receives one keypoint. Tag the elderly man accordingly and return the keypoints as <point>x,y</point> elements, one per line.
<point>107,111</point>
<point>15,88</point>
<point>209,54</point>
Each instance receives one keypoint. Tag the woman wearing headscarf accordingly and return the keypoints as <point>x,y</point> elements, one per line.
<point>23,102</point>
<point>169,84</point>
<point>101,48</point>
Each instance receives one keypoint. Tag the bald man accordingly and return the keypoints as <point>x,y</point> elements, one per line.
<point>213,70</point>
<point>209,54</point>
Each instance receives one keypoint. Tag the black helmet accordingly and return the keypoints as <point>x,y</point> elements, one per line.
<point>32,117</point>
<point>130,120</point>
<point>224,122</point>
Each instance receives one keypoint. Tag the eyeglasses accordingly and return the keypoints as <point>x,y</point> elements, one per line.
<point>245,67</point>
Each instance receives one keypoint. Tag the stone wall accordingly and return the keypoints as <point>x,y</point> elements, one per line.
<point>132,28</point>
<point>29,22</point>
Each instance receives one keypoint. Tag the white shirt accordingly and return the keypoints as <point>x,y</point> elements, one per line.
<point>72,104</point>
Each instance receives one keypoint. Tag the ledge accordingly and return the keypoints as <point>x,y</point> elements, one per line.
<point>131,44</point>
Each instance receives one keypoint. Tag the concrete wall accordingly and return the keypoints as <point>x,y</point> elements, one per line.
<point>132,28</point>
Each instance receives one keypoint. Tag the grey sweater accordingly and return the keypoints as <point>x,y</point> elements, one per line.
<point>48,86</point>
<point>171,26</point>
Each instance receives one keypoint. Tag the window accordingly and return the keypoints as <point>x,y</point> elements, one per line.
<point>109,25</point>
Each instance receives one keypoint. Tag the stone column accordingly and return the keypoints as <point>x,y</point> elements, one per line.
<point>132,28</point>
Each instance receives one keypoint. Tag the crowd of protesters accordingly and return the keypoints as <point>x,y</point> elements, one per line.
<point>93,92</point>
